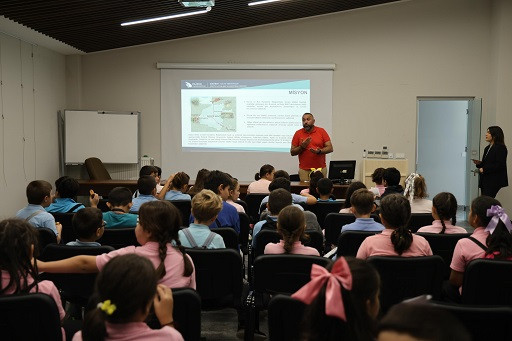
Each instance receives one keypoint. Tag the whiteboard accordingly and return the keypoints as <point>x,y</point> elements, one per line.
<point>111,137</point>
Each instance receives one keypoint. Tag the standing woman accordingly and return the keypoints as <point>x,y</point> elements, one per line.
<point>493,167</point>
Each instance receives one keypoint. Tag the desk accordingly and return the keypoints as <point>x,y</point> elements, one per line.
<point>103,187</point>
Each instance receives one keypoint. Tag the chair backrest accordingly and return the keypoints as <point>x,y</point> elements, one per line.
<point>407,277</point>
<point>419,220</point>
<point>29,317</point>
<point>242,203</point>
<point>316,240</point>
<point>245,227</point>
<point>349,242</point>
<point>66,219</point>
<point>322,208</point>
<point>487,282</point>
<point>443,245</point>
<point>333,224</point>
<point>46,237</point>
<point>284,274</point>
<point>218,276</point>
<point>119,238</point>
<point>253,201</point>
<point>184,206</point>
<point>483,323</point>
<point>102,205</point>
<point>229,235</point>
<point>76,288</point>
<point>187,313</point>
<point>284,318</point>
<point>96,169</point>
<point>262,239</point>
<point>294,177</point>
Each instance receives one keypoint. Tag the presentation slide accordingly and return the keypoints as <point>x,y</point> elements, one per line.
<point>242,114</point>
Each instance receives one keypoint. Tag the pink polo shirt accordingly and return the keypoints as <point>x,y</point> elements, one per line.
<point>297,249</point>
<point>466,250</point>
<point>133,331</point>
<point>174,264</point>
<point>260,186</point>
<point>436,227</point>
<point>381,245</point>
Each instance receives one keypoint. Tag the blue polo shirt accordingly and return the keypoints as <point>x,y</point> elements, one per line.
<point>142,198</point>
<point>363,224</point>
<point>43,219</point>
<point>64,205</point>
<point>176,195</point>
<point>200,232</point>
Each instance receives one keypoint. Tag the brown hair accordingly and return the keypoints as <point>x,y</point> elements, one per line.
<point>291,224</point>
<point>395,210</point>
<point>420,187</point>
<point>362,201</point>
<point>206,205</point>
<point>37,190</point>
<point>180,179</point>
<point>377,175</point>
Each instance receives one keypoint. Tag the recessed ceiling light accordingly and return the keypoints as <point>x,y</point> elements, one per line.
<point>197,3</point>
<point>167,17</point>
<point>254,3</point>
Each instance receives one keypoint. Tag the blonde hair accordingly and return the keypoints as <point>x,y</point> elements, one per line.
<point>206,205</point>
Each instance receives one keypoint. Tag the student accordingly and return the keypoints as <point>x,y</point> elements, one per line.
<point>325,188</point>
<point>314,176</point>
<point>206,205</point>
<point>491,237</point>
<point>362,207</point>
<point>416,192</point>
<point>444,212</point>
<point>39,196</point>
<point>378,180</point>
<point>297,199</point>
<point>179,187</point>
<point>120,203</point>
<point>278,199</point>
<point>89,226</point>
<point>125,291</point>
<point>234,193</point>
<point>220,183</point>
<point>158,179</point>
<point>391,179</point>
<point>420,322</point>
<point>291,225</point>
<point>18,246</point>
<point>281,174</point>
<point>146,186</point>
<point>342,302</point>
<point>199,183</point>
<point>153,172</point>
<point>66,189</point>
<point>354,186</point>
<point>263,179</point>
<point>396,239</point>
<point>159,223</point>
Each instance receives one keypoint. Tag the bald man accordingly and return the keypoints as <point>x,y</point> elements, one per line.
<point>310,143</point>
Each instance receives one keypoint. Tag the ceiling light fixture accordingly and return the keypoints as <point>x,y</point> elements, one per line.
<point>254,3</point>
<point>197,3</point>
<point>143,21</point>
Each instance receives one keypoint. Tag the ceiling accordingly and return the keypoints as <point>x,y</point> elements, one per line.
<point>95,25</point>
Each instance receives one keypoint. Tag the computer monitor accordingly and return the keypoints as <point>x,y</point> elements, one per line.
<point>341,171</point>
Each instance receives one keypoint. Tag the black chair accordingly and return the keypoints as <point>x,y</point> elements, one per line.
<point>333,224</point>
<point>349,242</point>
<point>263,238</point>
<point>218,277</point>
<point>119,238</point>
<point>68,234</point>
<point>184,206</point>
<point>407,277</point>
<point>102,205</point>
<point>483,323</point>
<point>29,317</point>
<point>74,288</point>
<point>245,228</point>
<point>187,313</point>
<point>253,201</point>
<point>277,274</point>
<point>443,245</point>
<point>46,237</point>
<point>419,220</point>
<point>284,318</point>
<point>487,282</point>
<point>322,208</point>
<point>229,235</point>
<point>242,203</point>
<point>316,240</point>
<point>294,177</point>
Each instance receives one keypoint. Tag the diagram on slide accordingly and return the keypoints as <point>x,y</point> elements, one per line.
<point>213,114</point>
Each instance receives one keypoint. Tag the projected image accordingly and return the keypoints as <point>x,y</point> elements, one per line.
<point>213,114</point>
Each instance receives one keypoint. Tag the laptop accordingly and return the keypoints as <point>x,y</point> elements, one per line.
<point>342,171</point>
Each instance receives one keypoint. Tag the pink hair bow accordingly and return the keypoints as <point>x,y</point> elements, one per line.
<point>340,275</point>
<point>497,213</point>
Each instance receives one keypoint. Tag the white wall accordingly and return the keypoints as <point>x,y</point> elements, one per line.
<point>386,57</point>
<point>28,132</point>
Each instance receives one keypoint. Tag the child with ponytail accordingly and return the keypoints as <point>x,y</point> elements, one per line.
<point>159,223</point>
<point>396,239</point>
<point>178,187</point>
<point>125,290</point>
<point>444,211</point>
<point>291,224</point>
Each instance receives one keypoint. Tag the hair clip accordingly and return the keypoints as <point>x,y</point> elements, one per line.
<point>107,306</point>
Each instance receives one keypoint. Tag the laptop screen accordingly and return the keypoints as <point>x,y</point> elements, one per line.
<point>342,170</point>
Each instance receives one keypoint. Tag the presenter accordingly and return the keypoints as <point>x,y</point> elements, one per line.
<point>493,166</point>
<point>310,143</point>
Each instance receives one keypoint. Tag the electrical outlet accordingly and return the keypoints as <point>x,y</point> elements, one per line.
<point>399,155</point>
